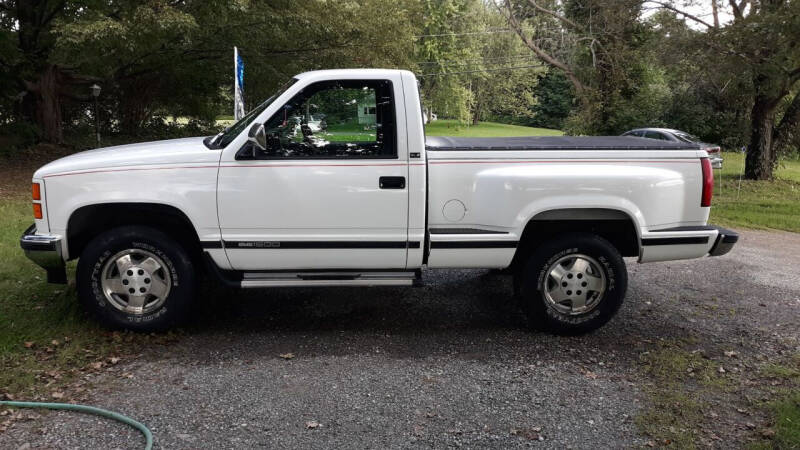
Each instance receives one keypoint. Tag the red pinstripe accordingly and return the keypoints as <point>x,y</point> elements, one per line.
<point>435,162</point>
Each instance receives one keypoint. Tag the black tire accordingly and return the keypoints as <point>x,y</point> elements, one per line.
<point>532,281</point>
<point>181,278</point>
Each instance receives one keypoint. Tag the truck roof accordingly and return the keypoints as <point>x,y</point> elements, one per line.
<point>348,73</point>
<point>554,143</point>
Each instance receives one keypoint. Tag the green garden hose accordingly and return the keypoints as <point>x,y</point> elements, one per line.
<point>90,410</point>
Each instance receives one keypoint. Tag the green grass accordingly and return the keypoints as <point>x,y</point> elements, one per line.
<point>61,340</point>
<point>679,381</point>
<point>484,129</point>
<point>784,408</point>
<point>756,204</point>
<point>787,422</point>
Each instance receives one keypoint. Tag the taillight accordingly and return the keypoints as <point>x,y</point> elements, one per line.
<point>713,150</point>
<point>708,182</point>
<point>37,210</point>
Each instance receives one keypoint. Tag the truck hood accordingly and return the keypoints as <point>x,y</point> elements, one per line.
<point>186,150</point>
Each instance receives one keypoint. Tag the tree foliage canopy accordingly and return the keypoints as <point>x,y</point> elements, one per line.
<point>586,66</point>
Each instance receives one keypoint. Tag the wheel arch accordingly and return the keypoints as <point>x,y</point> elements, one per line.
<point>615,225</point>
<point>88,221</point>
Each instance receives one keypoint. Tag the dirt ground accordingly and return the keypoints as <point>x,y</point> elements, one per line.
<point>452,364</point>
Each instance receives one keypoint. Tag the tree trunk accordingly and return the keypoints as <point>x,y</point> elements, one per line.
<point>476,113</point>
<point>136,104</point>
<point>760,160</point>
<point>47,110</point>
<point>787,133</point>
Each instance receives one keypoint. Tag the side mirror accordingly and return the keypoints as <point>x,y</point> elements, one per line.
<point>258,136</point>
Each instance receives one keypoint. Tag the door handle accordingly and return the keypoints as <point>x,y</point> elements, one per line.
<point>392,182</point>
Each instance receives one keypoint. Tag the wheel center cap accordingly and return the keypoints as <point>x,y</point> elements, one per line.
<point>573,283</point>
<point>136,280</point>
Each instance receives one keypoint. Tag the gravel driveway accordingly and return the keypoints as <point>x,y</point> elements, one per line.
<point>448,364</point>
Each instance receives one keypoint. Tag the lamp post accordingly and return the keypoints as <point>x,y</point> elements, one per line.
<point>96,93</point>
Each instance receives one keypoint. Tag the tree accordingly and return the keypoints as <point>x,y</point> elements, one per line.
<point>173,57</point>
<point>41,81</point>
<point>597,46</point>
<point>441,50</point>
<point>760,47</point>
<point>555,101</point>
<point>503,80</point>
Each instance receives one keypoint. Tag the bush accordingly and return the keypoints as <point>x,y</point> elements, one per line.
<point>17,135</point>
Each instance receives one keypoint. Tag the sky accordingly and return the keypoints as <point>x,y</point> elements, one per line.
<point>700,9</point>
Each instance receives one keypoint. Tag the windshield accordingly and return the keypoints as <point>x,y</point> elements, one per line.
<point>686,137</point>
<point>224,138</point>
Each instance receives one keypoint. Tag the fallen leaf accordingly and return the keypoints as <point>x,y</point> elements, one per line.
<point>287,355</point>
<point>768,432</point>
<point>731,354</point>
<point>311,424</point>
<point>531,435</point>
<point>721,369</point>
<point>96,365</point>
<point>55,343</point>
<point>113,360</point>
<point>57,395</point>
<point>29,344</point>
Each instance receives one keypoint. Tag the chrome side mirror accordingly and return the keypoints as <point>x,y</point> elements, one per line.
<point>258,136</point>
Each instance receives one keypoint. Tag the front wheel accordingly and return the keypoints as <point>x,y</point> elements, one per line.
<point>136,277</point>
<point>573,284</point>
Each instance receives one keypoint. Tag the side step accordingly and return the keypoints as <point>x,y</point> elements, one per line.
<point>257,280</point>
<point>237,279</point>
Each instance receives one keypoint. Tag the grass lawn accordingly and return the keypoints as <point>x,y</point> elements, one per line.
<point>41,328</point>
<point>484,129</point>
<point>756,204</point>
<point>47,343</point>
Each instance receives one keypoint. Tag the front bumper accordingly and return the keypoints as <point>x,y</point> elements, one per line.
<point>46,252</point>
<point>726,239</point>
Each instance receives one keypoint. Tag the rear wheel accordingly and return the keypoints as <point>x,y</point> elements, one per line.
<point>573,284</point>
<point>136,277</point>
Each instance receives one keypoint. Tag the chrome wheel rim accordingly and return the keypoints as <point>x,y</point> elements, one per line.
<point>575,284</point>
<point>136,281</point>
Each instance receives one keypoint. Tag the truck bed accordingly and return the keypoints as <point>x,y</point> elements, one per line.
<point>445,143</point>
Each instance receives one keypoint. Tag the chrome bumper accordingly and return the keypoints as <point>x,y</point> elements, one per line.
<point>46,252</point>
<point>726,239</point>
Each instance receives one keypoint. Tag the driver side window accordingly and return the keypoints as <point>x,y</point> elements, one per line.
<point>343,119</point>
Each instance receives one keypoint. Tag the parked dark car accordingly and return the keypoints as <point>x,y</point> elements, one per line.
<point>666,134</point>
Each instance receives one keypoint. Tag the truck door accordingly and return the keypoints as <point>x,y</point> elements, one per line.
<point>330,191</point>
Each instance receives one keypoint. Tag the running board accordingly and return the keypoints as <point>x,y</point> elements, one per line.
<point>301,279</point>
<point>333,277</point>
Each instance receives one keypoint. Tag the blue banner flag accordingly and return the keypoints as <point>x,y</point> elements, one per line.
<point>238,92</point>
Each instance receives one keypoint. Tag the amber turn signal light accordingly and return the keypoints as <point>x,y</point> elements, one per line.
<point>37,210</point>
<point>36,191</point>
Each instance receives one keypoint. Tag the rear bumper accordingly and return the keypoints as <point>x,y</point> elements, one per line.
<point>46,251</point>
<point>686,242</point>
<point>726,239</point>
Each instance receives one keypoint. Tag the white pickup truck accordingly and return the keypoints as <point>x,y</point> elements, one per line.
<point>367,201</point>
